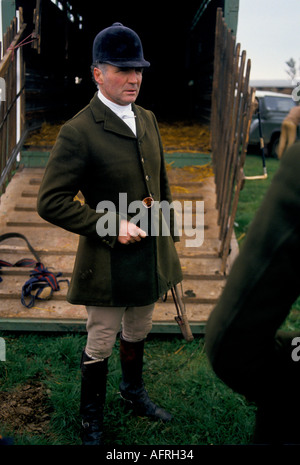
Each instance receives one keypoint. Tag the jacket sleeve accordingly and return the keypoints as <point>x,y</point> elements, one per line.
<point>243,341</point>
<point>61,183</point>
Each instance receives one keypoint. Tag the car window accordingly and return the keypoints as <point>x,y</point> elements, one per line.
<point>279,103</point>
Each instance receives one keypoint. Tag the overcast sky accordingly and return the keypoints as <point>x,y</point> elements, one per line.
<point>269,31</point>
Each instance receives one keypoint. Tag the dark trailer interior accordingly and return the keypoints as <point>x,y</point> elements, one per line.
<point>178,40</point>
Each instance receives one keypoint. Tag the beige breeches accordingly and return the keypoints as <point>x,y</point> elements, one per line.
<point>104,323</point>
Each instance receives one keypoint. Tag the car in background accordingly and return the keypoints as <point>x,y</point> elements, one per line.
<point>274,107</point>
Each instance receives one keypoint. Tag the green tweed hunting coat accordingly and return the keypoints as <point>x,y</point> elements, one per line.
<point>97,154</point>
<point>244,342</point>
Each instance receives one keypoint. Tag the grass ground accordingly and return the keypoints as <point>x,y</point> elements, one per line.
<point>253,192</point>
<point>177,375</point>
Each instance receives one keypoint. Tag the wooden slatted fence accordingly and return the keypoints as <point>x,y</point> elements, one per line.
<point>232,109</point>
<point>12,101</point>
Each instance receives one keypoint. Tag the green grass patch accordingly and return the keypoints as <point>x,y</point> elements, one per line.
<point>253,192</point>
<point>177,376</point>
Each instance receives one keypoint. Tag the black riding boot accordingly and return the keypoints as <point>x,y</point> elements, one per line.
<point>93,392</point>
<point>132,386</point>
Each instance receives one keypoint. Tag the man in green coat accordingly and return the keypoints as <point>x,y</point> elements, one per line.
<point>244,341</point>
<point>112,153</point>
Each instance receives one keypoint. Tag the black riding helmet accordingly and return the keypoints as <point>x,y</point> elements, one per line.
<point>119,46</point>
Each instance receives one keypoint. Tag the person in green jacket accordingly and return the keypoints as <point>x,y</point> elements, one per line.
<point>245,341</point>
<point>111,152</point>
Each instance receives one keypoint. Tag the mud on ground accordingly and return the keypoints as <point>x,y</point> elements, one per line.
<point>25,410</point>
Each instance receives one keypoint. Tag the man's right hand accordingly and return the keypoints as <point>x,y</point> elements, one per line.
<point>130,233</point>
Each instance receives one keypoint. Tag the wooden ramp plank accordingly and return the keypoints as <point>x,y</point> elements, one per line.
<point>201,264</point>
<point>193,290</point>
<point>60,309</point>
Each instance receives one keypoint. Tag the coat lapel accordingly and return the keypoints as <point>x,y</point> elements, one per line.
<point>111,121</point>
<point>140,122</point>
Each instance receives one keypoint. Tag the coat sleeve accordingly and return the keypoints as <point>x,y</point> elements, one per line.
<point>65,171</point>
<point>243,339</point>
